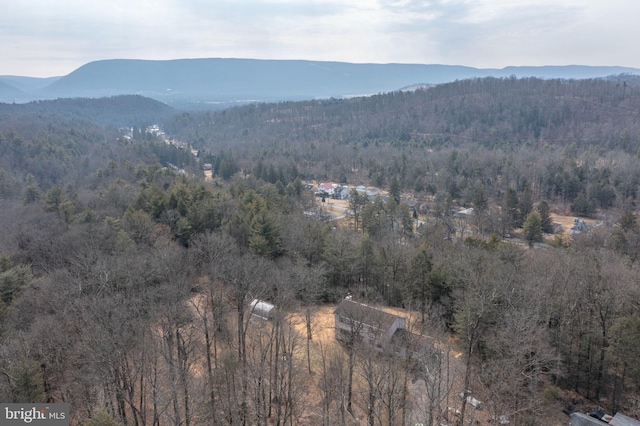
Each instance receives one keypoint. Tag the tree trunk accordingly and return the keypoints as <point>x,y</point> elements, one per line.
<point>467,379</point>
<point>309,337</point>
<point>603,348</point>
<point>183,363</point>
<point>350,377</point>
<point>207,339</point>
<point>242,354</point>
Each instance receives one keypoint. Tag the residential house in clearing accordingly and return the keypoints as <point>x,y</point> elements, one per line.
<point>326,188</point>
<point>378,328</point>
<point>340,192</point>
<point>372,325</point>
<point>579,226</point>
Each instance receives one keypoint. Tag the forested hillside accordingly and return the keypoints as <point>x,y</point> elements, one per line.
<point>126,278</point>
<point>563,140</point>
<point>495,113</point>
<point>125,110</point>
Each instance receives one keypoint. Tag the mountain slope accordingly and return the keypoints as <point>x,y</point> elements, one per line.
<point>232,80</point>
<point>9,93</point>
<point>28,84</point>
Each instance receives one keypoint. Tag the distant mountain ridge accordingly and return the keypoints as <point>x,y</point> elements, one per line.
<point>10,92</point>
<point>28,83</point>
<point>216,81</point>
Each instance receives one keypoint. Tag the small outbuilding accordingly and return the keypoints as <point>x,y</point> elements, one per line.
<point>263,310</point>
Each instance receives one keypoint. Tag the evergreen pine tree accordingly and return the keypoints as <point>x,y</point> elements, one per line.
<point>546,223</point>
<point>394,190</point>
<point>510,209</point>
<point>628,221</point>
<point>525,206</point>
<point>32,191</point>
<point>532,228</point>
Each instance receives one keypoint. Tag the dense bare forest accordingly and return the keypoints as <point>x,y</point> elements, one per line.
<point>126,278</point>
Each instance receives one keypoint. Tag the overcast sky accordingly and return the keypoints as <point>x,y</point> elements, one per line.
<point>44,38</point>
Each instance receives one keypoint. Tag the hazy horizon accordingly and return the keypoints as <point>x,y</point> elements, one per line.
<point>43,38</point>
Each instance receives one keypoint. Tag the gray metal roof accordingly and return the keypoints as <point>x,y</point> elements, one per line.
<point>622,420</point>
<point>365,314</point>
<point>261,309</point>
<point>579,419</point>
